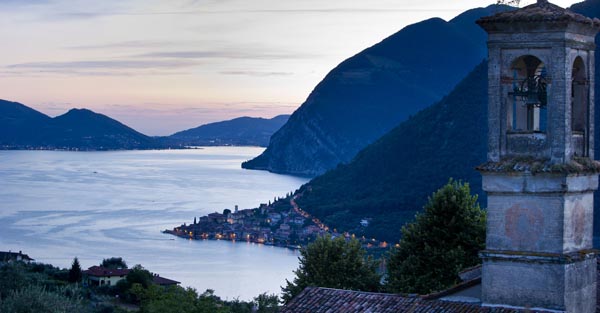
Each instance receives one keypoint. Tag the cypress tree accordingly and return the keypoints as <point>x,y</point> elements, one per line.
<point>75,271</point>
<point>443,240</point>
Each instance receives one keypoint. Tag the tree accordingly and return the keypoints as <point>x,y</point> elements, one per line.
<point>444,239</point>
<point>114,263</point>
<point>333,263</point>
<point>266,303</point>
<point>226,212</point>
<point>34,298</point>
<point>75,271</point>
<point>139,275</point>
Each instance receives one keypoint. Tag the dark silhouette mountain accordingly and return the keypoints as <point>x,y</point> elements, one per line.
<point>22,127</point>
<point>20,124</point>
<point>84,129</point>
<point>242,131</point>
<point>390,180</point>
<point>368,94</point>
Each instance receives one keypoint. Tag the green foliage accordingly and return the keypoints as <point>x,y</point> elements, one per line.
<point>156,299</point>
<point>114,263</point>
<point>18,275</point>
<point>43,288</point>
<point>133,288</point>
<point>35,299</point>
<point>444,239</point>
<point>75,271</point>
<point>226,212</point>
<point>139,275</point>
<point>333,263</point>
<point>267,303</point>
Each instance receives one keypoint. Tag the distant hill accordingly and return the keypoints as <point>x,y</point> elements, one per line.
<point>390,180</point>
<point>242,131</point>
<point>368,94</point>
<point>88,130</point>
<point>22,127</point>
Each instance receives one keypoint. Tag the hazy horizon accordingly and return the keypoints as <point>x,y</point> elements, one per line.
<point>161,67</point>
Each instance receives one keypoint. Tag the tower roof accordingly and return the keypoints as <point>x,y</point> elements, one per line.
<point>541,11</point>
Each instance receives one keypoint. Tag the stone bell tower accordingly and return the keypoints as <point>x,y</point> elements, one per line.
<point>540,175</point>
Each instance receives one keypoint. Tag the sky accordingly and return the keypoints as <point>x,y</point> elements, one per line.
<point>162,66</point>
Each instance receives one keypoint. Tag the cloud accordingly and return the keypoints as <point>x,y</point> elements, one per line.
<point>256,73</point>
<point>226,54</point>
<point>86,14</point>
<point>143,44</point>
<point>112,64</point>
<point>102,68</point>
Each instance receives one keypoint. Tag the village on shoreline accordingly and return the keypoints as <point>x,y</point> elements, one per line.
<point>281,223</point>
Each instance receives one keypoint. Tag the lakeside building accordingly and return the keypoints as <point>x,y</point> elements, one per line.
<point>7,257</point>
<point>101,276</point>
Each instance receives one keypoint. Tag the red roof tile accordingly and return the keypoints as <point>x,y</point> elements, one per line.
<point>163,281</point>
<point>106,272</point>
<point>327,300</point>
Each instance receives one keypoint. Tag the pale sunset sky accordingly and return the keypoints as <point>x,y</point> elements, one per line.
<point>161,66</point>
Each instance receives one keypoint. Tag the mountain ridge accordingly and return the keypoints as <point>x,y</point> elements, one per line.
<point>386,83</point>
<point>390,180</point>
<point>241,131</point>
<point>22,127</point>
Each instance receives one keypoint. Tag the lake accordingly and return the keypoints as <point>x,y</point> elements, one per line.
<point>57,205</point>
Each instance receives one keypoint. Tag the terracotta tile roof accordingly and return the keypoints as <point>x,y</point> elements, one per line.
<point>105,272</point>
<point>317,299</point>
<point>327,300</point>
<point>542,11</point>
<point>164,281</point>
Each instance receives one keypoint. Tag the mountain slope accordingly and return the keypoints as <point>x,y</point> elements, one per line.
<point>242,131</point>
<point>19,124</point>
<point>84,129</point>
<point>371,92</point>
<point>391,179</point>
<point>22,127</point>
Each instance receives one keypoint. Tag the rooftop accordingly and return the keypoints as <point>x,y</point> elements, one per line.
<point>13,256</point>
<point>328,300</point>
<point>102,271</point>
<point>542,11</point>
<point>163,281</point>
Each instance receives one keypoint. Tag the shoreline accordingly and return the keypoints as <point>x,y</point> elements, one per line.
<point>272,244</point>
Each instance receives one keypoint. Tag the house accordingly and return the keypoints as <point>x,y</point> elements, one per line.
<point>217,218</point>
<point>273,218</point>
<point>101,276</point>
<point>165,282</point>
<point>7,257</point>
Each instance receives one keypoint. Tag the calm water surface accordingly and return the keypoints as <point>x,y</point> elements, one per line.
<point>56,205</point>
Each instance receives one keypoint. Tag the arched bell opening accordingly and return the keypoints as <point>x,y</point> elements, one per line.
<point>580,108</point>
<point>528,97</point>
